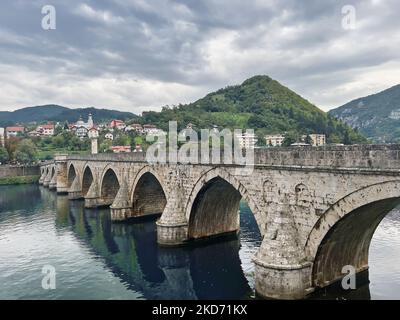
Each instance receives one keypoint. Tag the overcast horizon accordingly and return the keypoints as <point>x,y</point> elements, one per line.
<point>136,55</point>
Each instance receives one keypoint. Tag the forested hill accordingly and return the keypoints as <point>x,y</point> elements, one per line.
<point>59,113</point>
<point>376,116</point>
<point>259,103</point>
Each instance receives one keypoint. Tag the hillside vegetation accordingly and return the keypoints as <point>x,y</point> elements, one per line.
<point>376,116</point>
<point>259,103</point>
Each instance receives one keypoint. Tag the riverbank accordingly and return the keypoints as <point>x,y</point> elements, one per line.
<point>18,180</point>
<point>10,175</point>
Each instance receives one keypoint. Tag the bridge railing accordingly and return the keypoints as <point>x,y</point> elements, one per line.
<point>356,156</point>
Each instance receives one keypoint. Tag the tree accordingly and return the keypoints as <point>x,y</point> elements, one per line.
<point>58,129</point>
<point>11,146</point>
<point>4,157</point>
<point>290,137</point>
<point>308,140</point>
<point>66,125</point>
<point>105,146</point>
<point>26,151</point>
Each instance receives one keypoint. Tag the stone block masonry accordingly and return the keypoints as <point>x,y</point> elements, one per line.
<point>316,207</point>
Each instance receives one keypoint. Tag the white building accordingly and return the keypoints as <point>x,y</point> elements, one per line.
<point>150,129</point>
<point>109,136</point>
<point>246,140</point>
<point>2,140</point>
<point>274,140</point>
<point>14,131</point>
<point>46,129</point>
<point>317,139</point>
<point>82,128</point>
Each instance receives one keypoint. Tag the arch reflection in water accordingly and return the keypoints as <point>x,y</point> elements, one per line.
<point>131,252</point>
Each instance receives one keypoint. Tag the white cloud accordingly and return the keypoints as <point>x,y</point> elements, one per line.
<point>105,16</point>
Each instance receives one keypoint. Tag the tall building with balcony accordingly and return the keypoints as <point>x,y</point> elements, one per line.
<point>274,140</point>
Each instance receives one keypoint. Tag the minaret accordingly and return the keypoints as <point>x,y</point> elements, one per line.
<point>93,134</point>
<point>94,146</point>
<point>90,121</point>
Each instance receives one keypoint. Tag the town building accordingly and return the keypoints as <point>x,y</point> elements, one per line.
<point>81,128</point>
<point>316,138</point>
<point>246,140</point>
<point>45,129</point>
<point>150,129</point>
<point>14,131</point>
<point>109,136</point>
<point>121,149</point>
<point>117,124</point>
<point>134,127</point>
<point>2,139</point>
<point>274,140</point>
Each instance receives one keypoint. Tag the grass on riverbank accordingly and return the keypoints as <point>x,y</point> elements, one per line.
<point>18,180</point>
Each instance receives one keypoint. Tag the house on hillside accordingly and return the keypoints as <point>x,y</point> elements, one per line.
<point>117,124</point>
<point>14,131</point>
<point>150,129</point>
<point>46,129</point>
<point>134,127</point>
<point>109,136</point>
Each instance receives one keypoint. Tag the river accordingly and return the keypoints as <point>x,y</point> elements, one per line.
<point>97,259</point>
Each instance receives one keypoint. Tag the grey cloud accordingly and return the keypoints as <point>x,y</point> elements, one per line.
<point>184,49</point>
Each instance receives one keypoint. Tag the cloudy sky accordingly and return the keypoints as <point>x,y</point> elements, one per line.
<point>142,54</point>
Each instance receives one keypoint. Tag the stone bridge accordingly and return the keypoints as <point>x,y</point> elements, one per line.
<point>316,208</point>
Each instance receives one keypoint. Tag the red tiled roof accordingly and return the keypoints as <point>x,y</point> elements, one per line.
<point>17,129</point>
<point>47,126</point>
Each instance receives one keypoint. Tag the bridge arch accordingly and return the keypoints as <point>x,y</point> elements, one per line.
<point>109,185</point>
<point>87,179</point>
<point>343,234</point>
<point>148,194</point>
<point>71,175</point>
<point>213,205</point>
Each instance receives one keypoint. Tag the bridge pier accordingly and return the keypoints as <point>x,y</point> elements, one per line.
<point>172,227</point>
<point>121,208</point>
<point>62,173</point>
<point>42,175</point>
<point>281,268</point>
<point>172,234</point>
<point>75,191</point>
<point>53,182</point>
<point>47,179</point>
<point>92,198</point>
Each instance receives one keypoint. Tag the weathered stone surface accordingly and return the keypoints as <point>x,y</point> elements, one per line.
<point>316,208</point>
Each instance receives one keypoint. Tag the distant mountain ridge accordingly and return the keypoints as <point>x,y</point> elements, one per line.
<point>59,113</point>
<point>377,116</point>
